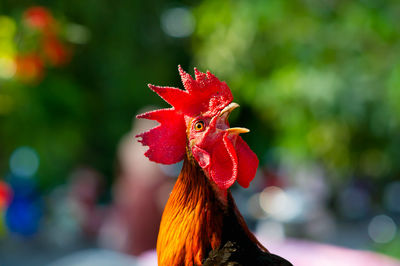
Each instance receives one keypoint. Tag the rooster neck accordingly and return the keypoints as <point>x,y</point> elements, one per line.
<point>196,220</point>
<point>192,221</point>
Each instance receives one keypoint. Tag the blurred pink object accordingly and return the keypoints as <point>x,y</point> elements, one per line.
<point>140,194</point>
<point>305,253</point>
<point>84,191</point>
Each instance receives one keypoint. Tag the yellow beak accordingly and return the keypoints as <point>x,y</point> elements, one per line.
<point>237,130</point>
<point>226,111</point>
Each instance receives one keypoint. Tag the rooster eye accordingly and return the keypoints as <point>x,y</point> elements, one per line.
<point>199,126</point>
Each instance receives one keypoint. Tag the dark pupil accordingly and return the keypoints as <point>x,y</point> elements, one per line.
<point>199,125</point>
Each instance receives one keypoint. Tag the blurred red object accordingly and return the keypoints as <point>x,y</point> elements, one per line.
<point>39,18</point>
<point>55,51</point>
<point>5,194</point>
<point>29,67</point>
<point>50,49</point>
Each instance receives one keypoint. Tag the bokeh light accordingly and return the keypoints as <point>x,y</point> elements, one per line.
<point>76,33</point>
<point>23,216</point>
<point>177,22</point>
<point>281,205</point>
<point>382,229</point>
<point>24,162</point>
<point>5,195</point>
<point>7,68</point>
<point>7,49</point>
<point>272,230</point>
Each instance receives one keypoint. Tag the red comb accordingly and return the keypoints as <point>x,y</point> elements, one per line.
<point>204,95</point>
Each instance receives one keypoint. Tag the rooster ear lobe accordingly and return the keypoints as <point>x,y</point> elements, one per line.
<point>202,157</point>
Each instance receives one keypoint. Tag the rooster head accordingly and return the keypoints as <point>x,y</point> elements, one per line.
<point>197,126</point>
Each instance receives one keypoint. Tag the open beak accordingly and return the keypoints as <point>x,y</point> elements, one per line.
<point>225,113</point>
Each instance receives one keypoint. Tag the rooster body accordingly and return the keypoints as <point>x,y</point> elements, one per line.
<point>201,224</point>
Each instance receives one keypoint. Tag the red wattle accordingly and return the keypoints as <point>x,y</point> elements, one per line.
<point>224,163</point>
<point>248,163</point>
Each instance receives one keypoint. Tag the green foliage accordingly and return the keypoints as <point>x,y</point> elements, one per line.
<point>76,113</point>
<point>322,77</point>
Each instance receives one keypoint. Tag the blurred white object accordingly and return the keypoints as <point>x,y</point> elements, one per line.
<point>382,229</point>
<point>178,22</point>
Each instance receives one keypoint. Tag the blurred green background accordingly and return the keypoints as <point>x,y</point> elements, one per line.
<point>318,83</point>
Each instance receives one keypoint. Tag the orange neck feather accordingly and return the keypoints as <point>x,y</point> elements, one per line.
<point>192,221</point>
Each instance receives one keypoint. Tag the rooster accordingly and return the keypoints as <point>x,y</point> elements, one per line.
<point>201,224</point>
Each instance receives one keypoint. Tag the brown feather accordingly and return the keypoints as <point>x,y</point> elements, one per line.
<point>191,225</point>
